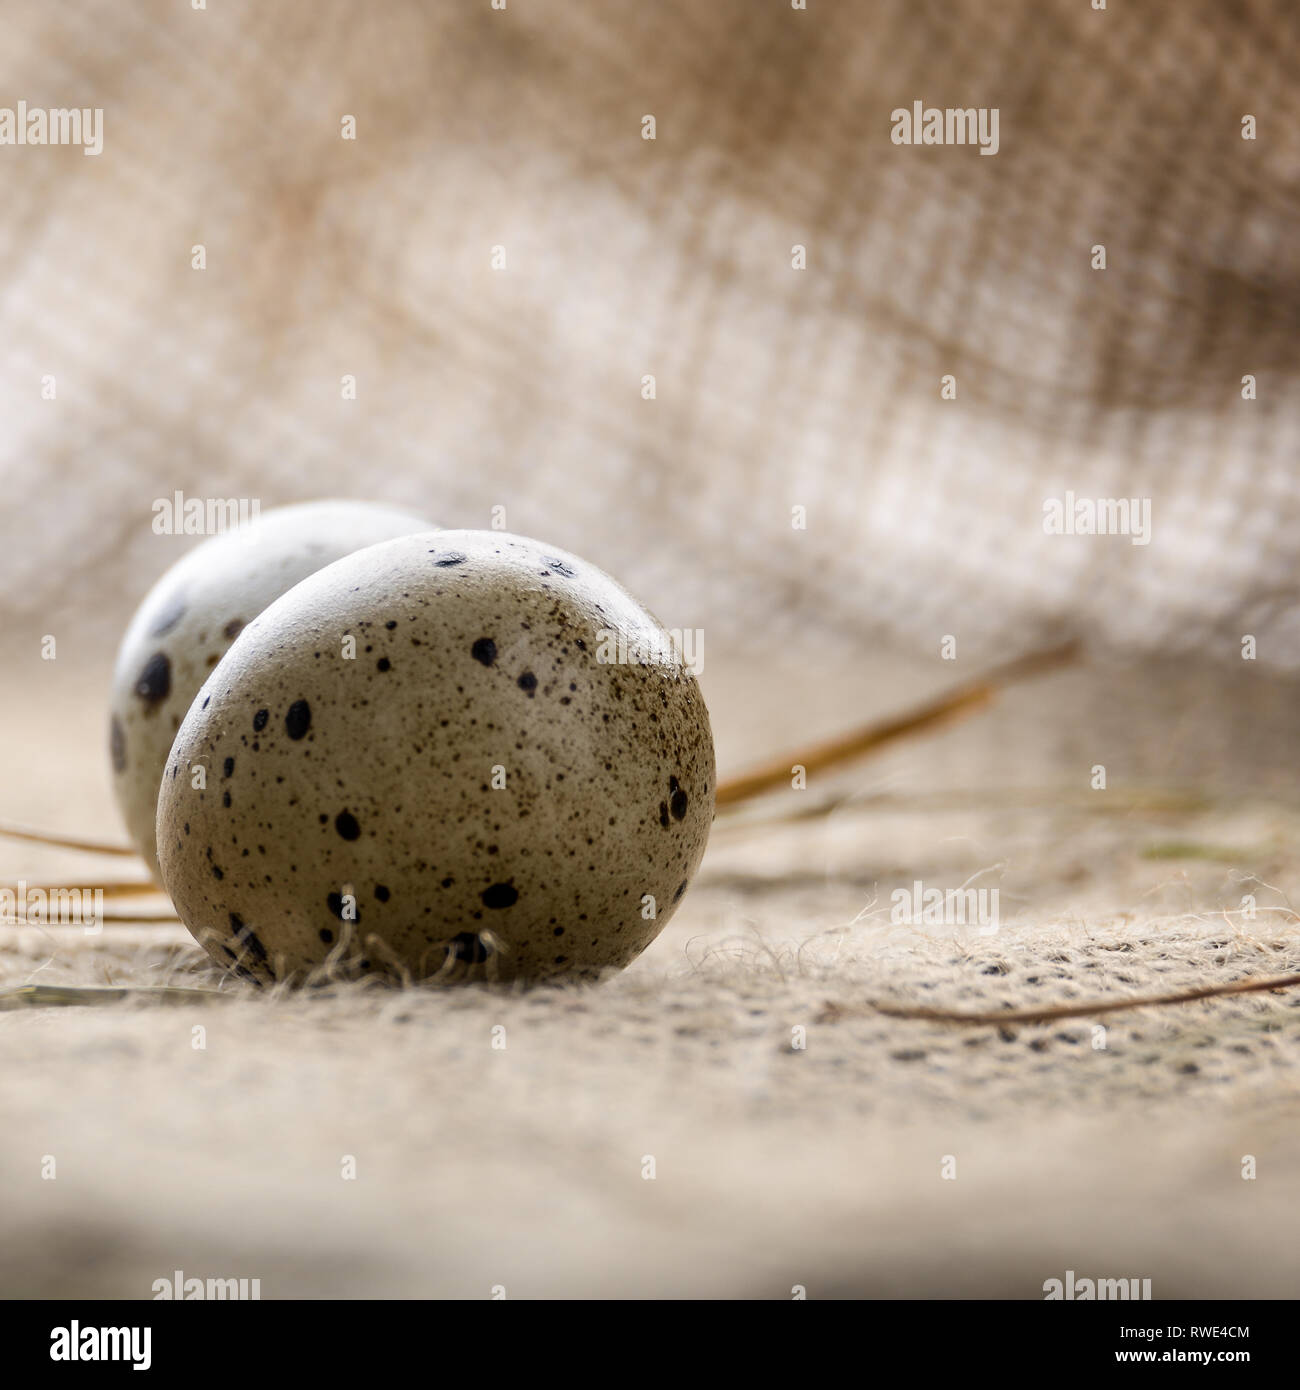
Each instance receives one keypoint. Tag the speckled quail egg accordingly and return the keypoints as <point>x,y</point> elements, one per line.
<point>461,755</point>
<point>196,610</point>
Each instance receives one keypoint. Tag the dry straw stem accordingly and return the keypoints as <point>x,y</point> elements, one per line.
<point>963,700</point>
<point>108,915</point>
<point>134,889</point>
<point>1049,1015</point>
<point>12,831</point>
<point>1118,801</point>
<point>47,996</point>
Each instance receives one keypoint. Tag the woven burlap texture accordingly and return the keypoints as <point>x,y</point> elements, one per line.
<point>775,388</point>
<point>820,1166</point>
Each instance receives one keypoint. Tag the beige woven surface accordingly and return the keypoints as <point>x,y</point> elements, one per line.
<point>775,1165</point>
<point>776,388</point>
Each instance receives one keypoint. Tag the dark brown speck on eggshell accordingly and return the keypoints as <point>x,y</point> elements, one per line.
<point>482,813</point>
<point>155,682</point>
<point>298,720</point>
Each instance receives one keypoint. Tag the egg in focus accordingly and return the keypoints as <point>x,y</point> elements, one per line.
<point>457,755</point>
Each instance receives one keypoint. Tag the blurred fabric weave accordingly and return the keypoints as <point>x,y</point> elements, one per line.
<point>775,388</point>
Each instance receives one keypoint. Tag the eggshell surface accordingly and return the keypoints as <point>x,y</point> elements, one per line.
<point>193,613</point>
<point>462,755</point>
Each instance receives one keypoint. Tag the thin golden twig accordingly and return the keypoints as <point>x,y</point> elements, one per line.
<point>1096,1006</point>
<point>107,915</point>
<point>134,889</point>
<point>965,699</point>
<point>12,831</point>
<point>46,996</point>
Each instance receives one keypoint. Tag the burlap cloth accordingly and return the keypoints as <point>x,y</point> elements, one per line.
<point>775,1165</point>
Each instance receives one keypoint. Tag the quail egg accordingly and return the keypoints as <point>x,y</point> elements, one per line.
<point>192,615</point>
<point>452,756</point>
